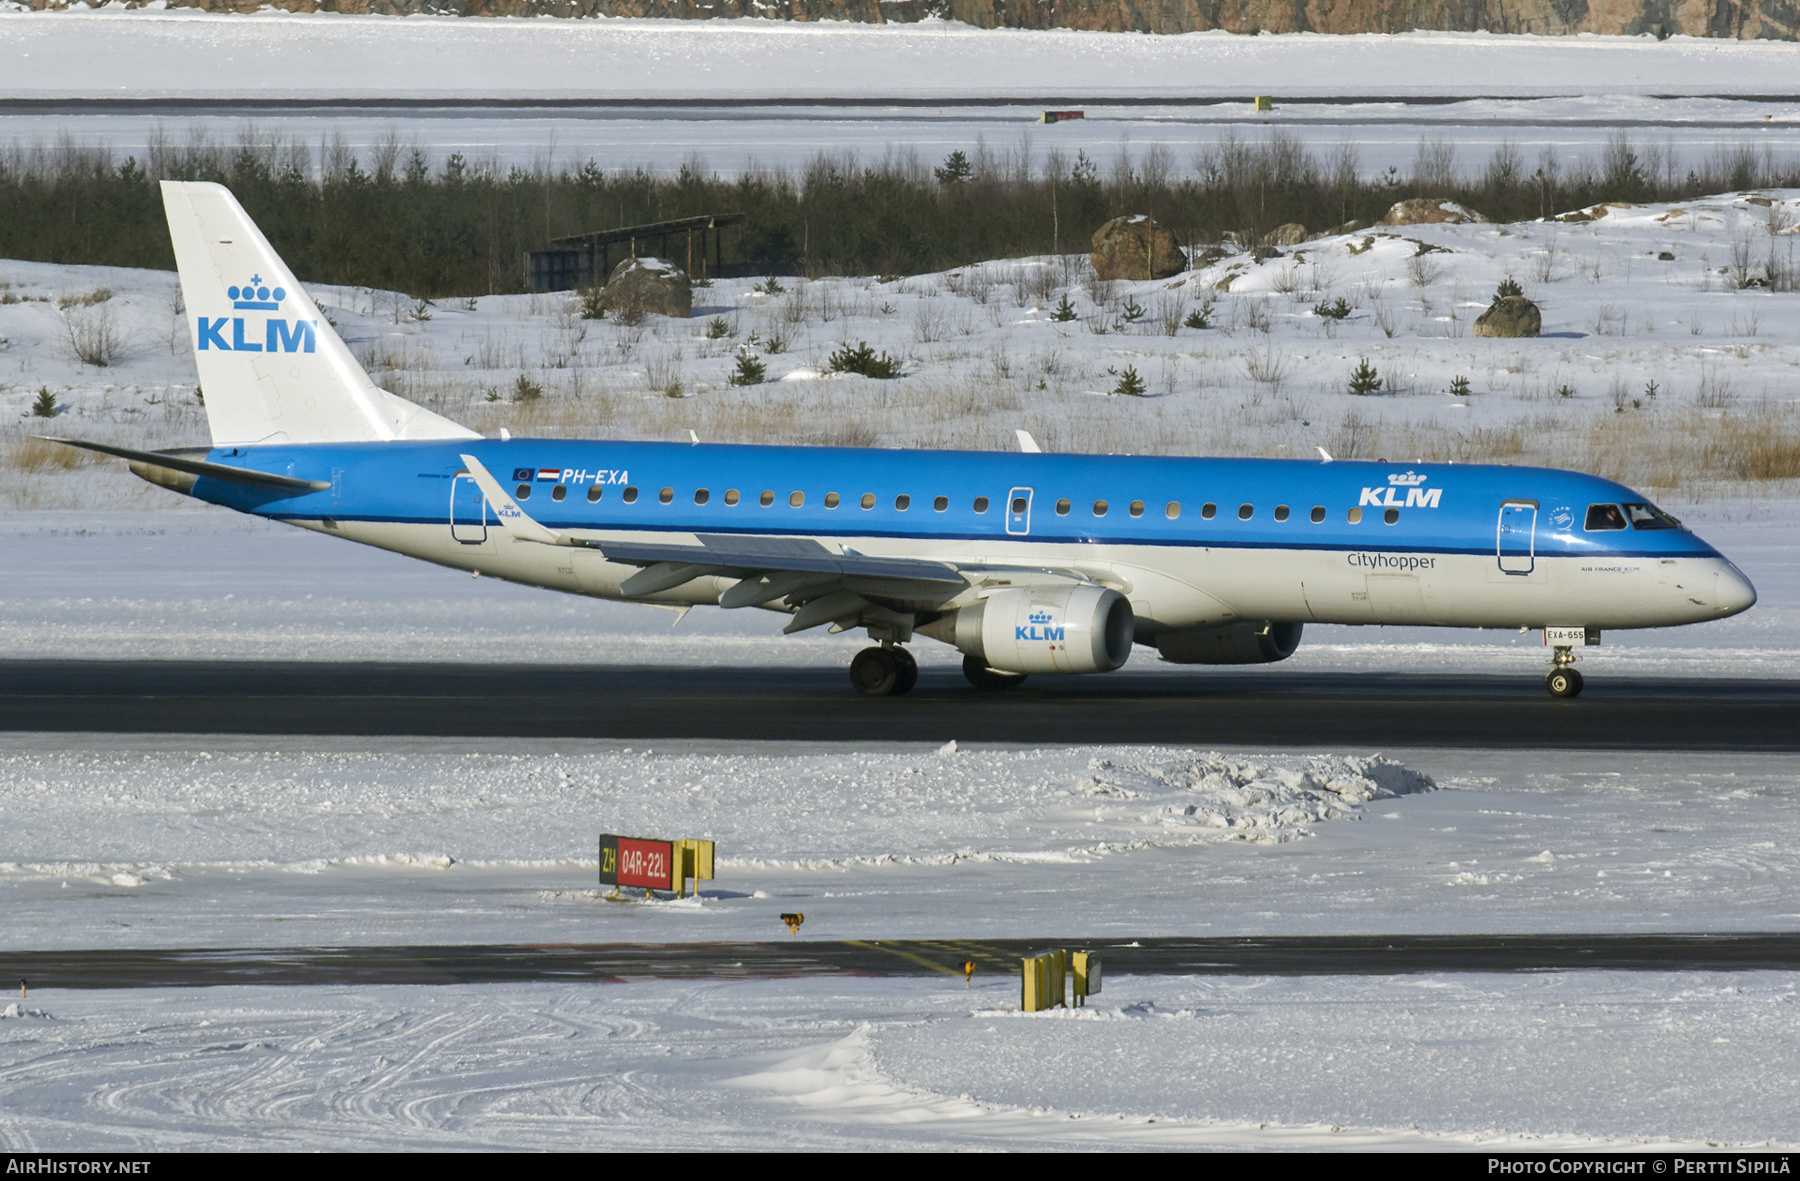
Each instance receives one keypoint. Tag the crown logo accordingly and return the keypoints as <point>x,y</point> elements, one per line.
<point>255,297</point>
<point>1407,479</point>
<point>1041,617</point>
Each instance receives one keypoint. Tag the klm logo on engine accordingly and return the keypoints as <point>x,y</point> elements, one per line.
<point>1390,497</point>
<point>1040,627</point>
<point>234,334</point>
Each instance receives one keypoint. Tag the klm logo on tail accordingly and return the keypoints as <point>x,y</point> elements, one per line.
<point>1039,628</point>
<point>278,335</point>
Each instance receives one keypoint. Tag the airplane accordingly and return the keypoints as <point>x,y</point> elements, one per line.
<point>1027,562</point>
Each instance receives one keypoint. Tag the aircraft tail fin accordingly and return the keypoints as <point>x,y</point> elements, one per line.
<point>271,368</point>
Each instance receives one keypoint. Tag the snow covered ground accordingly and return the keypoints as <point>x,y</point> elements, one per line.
<point>141,842</point>
<point>130,841</point>
<point>728,139</point>
<point>1539,1063</point>
<point>1671,342</point>
<point>149,53</point>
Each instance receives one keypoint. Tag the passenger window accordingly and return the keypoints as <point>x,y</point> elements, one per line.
<point>1246,511</point>
<point>796,499</point>
<point>1020,504</point>
<point>981,503</point>
<point>1137,508</point>
<point>1391,515</point>
<point>868,500</point>
<point>523,492</point>
<point>701,496</point>
<point>1602,517</point>
<point>1207,511</point>
<point>1099,508</point>
<point>941,503</point>
<point>594,494</point>
<point>731,496</point>
<point>666,495</point>
<point>630,494</point>
<point>1354,516</point>
<point>1648,516</point>
<point>1281,512</point>
<point>1318,514</point>
<point>831,500</point>
<point>766,499</point>
<point>1062,508</point>
<point>1173,511</point>
<point>558,492</point>
<point>903,502</point>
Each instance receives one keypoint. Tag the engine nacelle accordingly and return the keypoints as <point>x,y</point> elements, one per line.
<point>1237,643</point>
<point>1081,629</point>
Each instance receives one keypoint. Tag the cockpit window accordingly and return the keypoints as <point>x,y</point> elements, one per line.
<point>1648,516</point>
<point>1604,516</point>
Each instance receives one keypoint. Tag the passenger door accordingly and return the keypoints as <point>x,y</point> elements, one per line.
<point>1018,511</point>
<point>1515,542</point>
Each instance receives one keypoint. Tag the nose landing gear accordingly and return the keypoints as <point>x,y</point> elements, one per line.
<point>883,672</point>
<point>1563,680</point>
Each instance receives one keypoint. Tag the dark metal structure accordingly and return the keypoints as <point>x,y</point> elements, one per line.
<point>585,258</point>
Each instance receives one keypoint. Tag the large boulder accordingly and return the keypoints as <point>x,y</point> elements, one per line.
<point>1511,315</point>
<point>640,287</point>
<point>1291,234</point>
<point>1136,248</point>
<point>1415,211</point>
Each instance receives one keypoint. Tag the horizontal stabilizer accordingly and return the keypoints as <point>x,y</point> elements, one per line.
<point>200,467</point>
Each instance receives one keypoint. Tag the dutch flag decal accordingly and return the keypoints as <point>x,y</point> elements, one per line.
<point>551,474</point>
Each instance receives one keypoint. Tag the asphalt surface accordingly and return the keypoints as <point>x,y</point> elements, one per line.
<point>623,962</point>
<point>1260,706</point>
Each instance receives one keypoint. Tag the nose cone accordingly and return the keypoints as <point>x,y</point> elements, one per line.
<point>1732,592</point>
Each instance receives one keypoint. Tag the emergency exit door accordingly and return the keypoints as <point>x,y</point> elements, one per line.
<point>1018,511</point>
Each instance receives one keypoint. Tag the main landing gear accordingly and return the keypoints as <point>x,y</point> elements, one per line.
<point>1563,680</point>
<point>883,672</point>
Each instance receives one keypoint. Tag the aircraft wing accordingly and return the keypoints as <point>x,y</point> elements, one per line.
<point>816,583</point>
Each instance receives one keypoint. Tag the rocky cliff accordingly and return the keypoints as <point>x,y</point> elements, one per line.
<point>1746,19</point>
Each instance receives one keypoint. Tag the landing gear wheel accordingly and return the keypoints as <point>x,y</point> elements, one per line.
<point>906,670</point>
<point>875,672</point>
<point>983,677</point>
<point>1563,682</point>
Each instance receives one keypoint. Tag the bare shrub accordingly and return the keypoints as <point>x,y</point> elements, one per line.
<point>1422,270</point>
<point>93,335</point>
<point>1171,308</point>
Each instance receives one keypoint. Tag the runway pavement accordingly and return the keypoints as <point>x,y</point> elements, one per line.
<point>1257,706</point>
<point>624,962</point>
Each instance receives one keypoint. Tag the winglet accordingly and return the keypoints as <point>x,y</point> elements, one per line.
<point>513,519</point>
<point>1027,444</point>
<point>1324,454</point>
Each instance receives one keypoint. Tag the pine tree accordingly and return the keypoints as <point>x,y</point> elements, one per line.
<point>1130,384</point>
<point>1363,379</point>
<point>1065,311</point>
<point>750,370</point>
<point>1508,288</point>
<point>956,170</point>
<point>1459,386</point>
